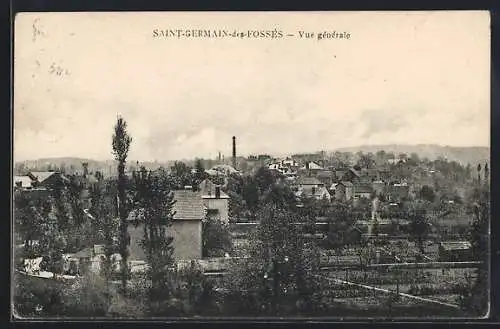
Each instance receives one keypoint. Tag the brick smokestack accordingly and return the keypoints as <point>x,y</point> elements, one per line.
<point>234,152</point>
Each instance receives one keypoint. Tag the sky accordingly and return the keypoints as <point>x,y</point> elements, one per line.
<point>401,78</point>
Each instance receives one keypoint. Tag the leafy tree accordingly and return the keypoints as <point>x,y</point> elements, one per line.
<point>53,242</point>
<point>264,179</point>
<point>74,196</point>
<point>380,157</point>
<point>415,159</point>
<point>28,217</point>
<point>104,225</point>
<point>419,224</point>
<point>251,194</point>
<point>474,295</point>
<point>216,238</point>
<point>59,198</point>
<point>89,297</point>
<point>154,200</point>
<point>36,298</point>
<point>121,144</point>
<point>282,268</point>
<point>427,193</point>
<point>200,174</point>
<point>280,195</point>
<point>366,160</point>
<point>181,175</point>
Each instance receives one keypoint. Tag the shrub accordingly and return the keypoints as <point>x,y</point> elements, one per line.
<point>216,238</point>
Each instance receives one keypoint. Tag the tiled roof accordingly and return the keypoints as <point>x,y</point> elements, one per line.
<point>207,190</point>
<point>188,205</point>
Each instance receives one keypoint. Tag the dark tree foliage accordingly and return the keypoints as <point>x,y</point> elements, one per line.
<point>216,239</point>
<point>474,296</point>
<point>340,225</point>
<point>280,195</point>
<point>237,205</point>
<point>121,144</point>
<point>181,175</point>
<point>280,275</point>
<point>104,225</point>
<point>366,160</point>
<point>264,179</point>
<point>427,193</point>
<point>200,175</point>
<point>75,189</point>
<point>419,224</point>
<point>154,201</point>
<point>29,214</point>
<point>251,194</point>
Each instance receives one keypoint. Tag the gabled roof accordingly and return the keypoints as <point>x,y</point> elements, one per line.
<point>346,183</point>
<point>188,205</point>
<point>207,190</point>
<point>307,180</point>
<point>41,175</point>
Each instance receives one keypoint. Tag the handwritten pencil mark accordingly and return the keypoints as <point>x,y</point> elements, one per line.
<point>37,31</point>
<point>58,70</point>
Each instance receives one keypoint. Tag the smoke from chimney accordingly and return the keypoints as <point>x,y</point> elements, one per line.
<point>234,152</point>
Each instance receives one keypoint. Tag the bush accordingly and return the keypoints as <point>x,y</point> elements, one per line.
<point>216,239</point>
<point>35,297</point>
<point>88,296</point>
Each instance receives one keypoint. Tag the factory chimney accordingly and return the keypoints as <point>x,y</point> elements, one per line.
<point>234,152</point>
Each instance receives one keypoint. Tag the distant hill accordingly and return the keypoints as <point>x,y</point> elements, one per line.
<point>72,165</point>
<point>463,155</point>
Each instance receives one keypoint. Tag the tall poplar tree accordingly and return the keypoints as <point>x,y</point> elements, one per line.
<point>153,202</point>
<point>121,144</point>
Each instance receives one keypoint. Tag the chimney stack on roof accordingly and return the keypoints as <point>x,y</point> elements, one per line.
<point>217,192</point>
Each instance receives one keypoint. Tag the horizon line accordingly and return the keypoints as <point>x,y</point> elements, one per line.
<point>245,155</point>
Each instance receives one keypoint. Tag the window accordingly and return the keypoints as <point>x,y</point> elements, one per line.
<point>212,212</point>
